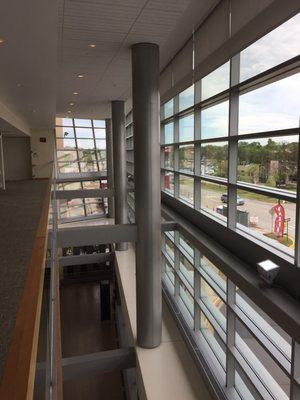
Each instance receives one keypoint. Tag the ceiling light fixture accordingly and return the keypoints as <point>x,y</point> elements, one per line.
<point>92,45</point>
<point>80,76</point>
<point>76,93</point>
<point>69,112</point>
<point>1,40</point>
<point>72,104</point>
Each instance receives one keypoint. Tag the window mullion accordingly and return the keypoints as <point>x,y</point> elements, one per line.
<point>230,334</point>
<point>233,144</point>
<point>96,154</point>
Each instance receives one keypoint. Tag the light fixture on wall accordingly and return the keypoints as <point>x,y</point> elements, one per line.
<point>2,40</point>
<point>268,271</point>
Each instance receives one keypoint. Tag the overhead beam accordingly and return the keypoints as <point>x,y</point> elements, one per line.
<point>95,235</point>
<point>98,363</point>
<point>99,234</point>
<point>83,193</point>
<point>85,259</point>
<point>168,226</point>
<point>81,177</point>
<point>92,364</point>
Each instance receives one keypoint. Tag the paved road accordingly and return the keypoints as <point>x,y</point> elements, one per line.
<point>256,208</point>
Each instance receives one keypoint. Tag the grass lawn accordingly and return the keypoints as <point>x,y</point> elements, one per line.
<point>286,241</point>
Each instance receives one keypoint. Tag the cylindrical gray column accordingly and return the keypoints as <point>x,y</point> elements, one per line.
<point>119,157</point>
<point>109,166</point>
<point>145,92</point>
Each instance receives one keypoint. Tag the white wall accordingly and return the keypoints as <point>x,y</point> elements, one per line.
<point>17,160</point>
<point>42,153</point>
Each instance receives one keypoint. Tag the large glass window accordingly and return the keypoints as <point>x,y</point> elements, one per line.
<point>245,135</point>
<point>235,161</point>
<point>81,147</point>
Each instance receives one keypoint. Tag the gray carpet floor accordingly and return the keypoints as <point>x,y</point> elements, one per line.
<point>20,210</point>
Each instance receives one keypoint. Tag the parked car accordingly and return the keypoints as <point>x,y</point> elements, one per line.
<point>239,200</point>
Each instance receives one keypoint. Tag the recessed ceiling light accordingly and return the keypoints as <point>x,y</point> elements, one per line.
<point>75,93</point>
<point>72,104</point>
<point>69,112</point>
<point>80,76</point>
<point>19,84</point>
<point>92,45</point>
<point>2,40</point>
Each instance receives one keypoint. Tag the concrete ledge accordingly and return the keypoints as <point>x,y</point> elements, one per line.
<point>167,372</point>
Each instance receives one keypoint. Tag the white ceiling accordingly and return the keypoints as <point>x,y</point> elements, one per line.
<point>114,25</point>
<point>46,47</point>
<point>27,63</point>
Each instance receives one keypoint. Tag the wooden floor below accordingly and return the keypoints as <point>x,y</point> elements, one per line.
<point>82,333</point>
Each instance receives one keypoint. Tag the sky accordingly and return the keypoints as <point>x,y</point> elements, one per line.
<point>272,107</point>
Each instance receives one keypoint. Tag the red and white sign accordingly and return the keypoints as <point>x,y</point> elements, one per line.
<point>279,220</point>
